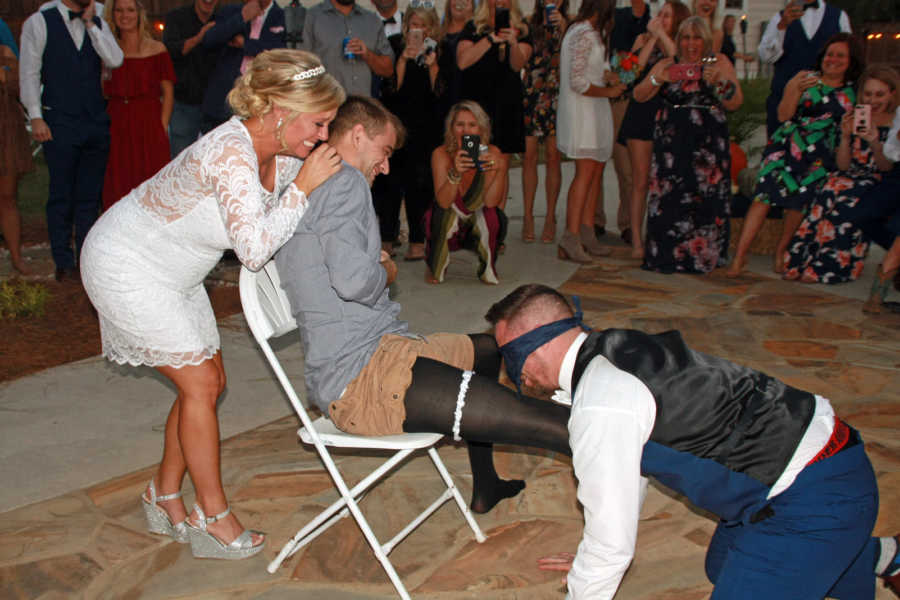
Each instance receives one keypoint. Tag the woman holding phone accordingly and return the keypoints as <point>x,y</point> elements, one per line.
<point>416,103</point>
<point>827,247</point>
<point>493,48</point>
<point>800,153</point>
<point>690,187</point>
<point>548,25</point>
<point>467,191</point>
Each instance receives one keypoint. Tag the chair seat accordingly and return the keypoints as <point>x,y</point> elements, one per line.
<point>332,436</point>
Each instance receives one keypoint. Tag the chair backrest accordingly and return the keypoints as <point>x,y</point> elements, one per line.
<point>268,313</point>
<point>265,304</point>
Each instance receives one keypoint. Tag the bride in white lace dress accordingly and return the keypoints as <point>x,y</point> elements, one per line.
<point>241,186</point>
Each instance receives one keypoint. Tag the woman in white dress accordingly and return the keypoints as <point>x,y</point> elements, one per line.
<point>241,186</point>
<point>584,126</point>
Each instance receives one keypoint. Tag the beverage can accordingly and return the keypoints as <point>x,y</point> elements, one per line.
<point>549,10</point>
<point>347,54</point>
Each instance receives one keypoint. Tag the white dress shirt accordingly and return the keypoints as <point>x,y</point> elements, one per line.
<point>612,418</point>
<point>771,46</point>
<point>34,40</point>
<point>607,433</point>
<point>396,27</point>
<point>891,147</point>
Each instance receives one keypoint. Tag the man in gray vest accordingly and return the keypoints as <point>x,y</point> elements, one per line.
<point>791,483</point>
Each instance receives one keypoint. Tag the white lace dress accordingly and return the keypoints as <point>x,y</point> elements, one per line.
<point>144,261</point>
<point>584,125</point>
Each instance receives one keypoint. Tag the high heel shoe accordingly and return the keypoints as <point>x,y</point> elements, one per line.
<point>158,520</point>
<point>206,545</point>
<point>591,243</point>
<point>570,249</point>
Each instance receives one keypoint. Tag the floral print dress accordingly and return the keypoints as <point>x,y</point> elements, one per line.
<point>690,189</point>
<point>542,84</point>
<point>828,247</point>
<point>800,154</point>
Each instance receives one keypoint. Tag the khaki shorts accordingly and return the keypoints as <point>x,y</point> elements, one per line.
<point>372,404</point>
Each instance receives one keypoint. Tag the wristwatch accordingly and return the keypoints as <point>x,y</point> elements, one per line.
<point>654,81</point>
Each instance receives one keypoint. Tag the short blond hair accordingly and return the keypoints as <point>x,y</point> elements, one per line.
<point>886,75</point>
<point>484,123</point>
<point>273,79</point>
<point>695,25</point>
<point>371,114</point>
<point>432,22</point>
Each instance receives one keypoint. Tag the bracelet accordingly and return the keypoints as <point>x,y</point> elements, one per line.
<point>654,81</point>
<point>453,178</point>
<point>726,89</point>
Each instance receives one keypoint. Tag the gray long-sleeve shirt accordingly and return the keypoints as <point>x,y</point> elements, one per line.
<point>331,272</point>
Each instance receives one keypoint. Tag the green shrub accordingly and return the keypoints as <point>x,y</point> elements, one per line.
<point>18,298</point>
<point>743,122</point>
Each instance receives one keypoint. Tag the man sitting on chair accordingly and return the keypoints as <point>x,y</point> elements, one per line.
<point>363,367</point>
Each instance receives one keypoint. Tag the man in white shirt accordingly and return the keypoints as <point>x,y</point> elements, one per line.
<point>792,41</point>
<point>791,483</point>
<point>65,46</point>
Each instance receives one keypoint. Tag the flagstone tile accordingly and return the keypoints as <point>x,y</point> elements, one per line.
<point>63,525</point>
<point>801,348</point>
<point>478,569</point>
<point>69,574</point>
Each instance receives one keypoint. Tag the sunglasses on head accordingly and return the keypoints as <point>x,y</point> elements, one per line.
<point>421,4</point>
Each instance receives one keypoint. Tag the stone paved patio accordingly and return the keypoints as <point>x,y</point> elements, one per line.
<point>91,542</point>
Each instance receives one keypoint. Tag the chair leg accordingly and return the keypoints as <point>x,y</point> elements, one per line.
<point>463,507</point>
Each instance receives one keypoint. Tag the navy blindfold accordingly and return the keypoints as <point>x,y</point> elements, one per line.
<point>516,352</point>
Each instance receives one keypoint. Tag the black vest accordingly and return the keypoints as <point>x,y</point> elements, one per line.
<point>71,76</point>
<point>714,419</point>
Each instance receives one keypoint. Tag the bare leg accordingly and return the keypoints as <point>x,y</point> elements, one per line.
<point>792,219</point>
<point>199,387</point>
<point>753,222</point>
<point>579,190</point>
<point>529,186</point>
<point>10,223</point>
<point>640,153</point>
<point>552,185</point>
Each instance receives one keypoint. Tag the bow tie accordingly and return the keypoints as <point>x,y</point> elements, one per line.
<point>389,21</point>
<point>75,15</point>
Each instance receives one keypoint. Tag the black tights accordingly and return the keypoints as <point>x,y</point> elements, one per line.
<point>492,414</point>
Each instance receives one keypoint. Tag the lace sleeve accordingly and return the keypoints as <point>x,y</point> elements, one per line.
<point>581,45</point>
<point>255,227</point>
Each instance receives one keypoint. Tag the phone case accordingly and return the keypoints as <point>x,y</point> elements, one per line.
<point>501,19</point>
<point>862,114</point>
<point>470,144</point>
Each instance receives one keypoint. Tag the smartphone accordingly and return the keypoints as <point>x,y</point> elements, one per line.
<point>685,72</point>
<point>862,114</point>
<point>415,38</point>
<point>501,19</point>
<point>471,144</point>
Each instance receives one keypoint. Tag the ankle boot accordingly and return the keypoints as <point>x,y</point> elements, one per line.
<point>570,249</point>
<point>591,243</point>
<point>880,285</point>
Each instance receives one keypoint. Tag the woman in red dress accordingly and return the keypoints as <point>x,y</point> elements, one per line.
<point>143,86</point>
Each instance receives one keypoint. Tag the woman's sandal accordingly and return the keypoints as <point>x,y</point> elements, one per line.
<point>206,545</point>
<point>549,233</point>
<point>528,230</point>
<point>158,520</point>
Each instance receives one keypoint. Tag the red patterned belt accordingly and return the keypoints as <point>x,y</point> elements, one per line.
<point>837,442</point>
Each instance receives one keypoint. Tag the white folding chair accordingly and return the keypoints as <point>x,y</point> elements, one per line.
<point>268,314</point>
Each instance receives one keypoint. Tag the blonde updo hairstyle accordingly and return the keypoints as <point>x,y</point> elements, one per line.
<point>270,82</point>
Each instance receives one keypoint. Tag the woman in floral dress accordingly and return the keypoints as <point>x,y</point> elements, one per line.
<point>690,188</point>
<point>800,153</point>
<point>540,100</point>
<point>828,247</point>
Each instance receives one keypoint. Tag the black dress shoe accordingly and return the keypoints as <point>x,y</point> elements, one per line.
<point>66,274</point>
<point>626,235</point>
<point>599,230</point>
